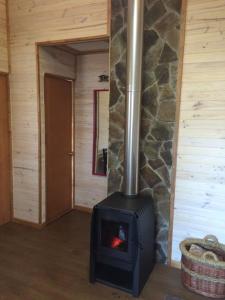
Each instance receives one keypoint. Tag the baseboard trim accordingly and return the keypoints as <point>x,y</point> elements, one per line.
<point>27,223</point>
<point>41,226</point>
<point>175,264</point>
<point>83,209</point>
<point>47,222</point>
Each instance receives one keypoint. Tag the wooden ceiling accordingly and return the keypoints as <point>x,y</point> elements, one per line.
<point>84,48</point>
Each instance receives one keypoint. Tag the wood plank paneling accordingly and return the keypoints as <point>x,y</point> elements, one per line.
<point>57,62</point>
<point>3,37</point>
<point>31,22</point>
<point>89,189</point>
<point>200,181</point>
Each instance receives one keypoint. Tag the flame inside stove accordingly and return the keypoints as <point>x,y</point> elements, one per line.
<point>116,242</point>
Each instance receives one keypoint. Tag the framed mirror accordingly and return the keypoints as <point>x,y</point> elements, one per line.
<point>101,132</point>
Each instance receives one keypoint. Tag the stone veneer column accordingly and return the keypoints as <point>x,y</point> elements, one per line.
<point>160,61</point>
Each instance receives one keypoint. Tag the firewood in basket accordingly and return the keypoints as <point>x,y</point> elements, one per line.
<point>196,250</point>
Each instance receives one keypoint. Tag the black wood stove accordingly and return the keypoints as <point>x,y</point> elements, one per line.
<point>122,232</point>
<point>122,242</point>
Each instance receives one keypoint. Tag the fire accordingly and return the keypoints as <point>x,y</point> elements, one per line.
<point>116,242</point>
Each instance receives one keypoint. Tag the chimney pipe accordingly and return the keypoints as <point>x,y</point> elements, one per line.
<point>135,23</point>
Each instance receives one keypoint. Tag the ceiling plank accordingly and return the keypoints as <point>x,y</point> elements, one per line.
<point>93,51</point>
<point>68,49</point>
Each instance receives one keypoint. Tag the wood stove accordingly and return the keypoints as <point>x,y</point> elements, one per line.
<point>122,232</point>
<point>122,242</point>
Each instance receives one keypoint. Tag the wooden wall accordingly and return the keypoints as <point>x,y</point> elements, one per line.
<point>57,62</point>
<point>3,38</point>
<point>200,181</point>
<point>200,192</point>
<point>89,189</point>
<point>31,22</point>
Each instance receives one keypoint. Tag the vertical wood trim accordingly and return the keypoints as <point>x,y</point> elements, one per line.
<point>10,145</point>
<point>176,132</point>
<point>10,154</point>
<point>73,135</point>
<point>39,130</point>
<point>8,37</point>
<point>109,4</point>
<point>74,132</point>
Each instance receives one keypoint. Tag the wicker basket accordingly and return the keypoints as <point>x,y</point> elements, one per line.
<point>204,275</point>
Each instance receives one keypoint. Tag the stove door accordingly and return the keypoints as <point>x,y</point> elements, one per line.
<point>116,235</point>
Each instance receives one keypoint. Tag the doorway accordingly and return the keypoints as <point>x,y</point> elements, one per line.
<point>86,64</point>
<point>5,157</point>
<point>59,145</point>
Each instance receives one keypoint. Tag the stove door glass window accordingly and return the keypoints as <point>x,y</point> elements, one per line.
<point>114,235</point>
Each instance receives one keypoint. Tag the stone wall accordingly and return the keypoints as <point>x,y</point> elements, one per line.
<point>160,61</point>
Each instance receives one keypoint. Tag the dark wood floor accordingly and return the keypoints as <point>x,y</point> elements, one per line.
<point>53,264</point>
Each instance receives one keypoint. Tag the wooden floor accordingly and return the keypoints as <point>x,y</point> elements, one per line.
<point>53,264</point>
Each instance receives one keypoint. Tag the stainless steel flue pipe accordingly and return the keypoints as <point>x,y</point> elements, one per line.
<point>135,21</point>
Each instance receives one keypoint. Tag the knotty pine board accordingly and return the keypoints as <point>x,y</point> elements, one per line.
<point>31,22</point>
<point>200,180</point>
<point>3,38</point>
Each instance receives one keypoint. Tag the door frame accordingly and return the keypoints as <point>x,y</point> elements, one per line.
<point>102,37</point>
<point>10,146</point>
<point>72,80</point>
